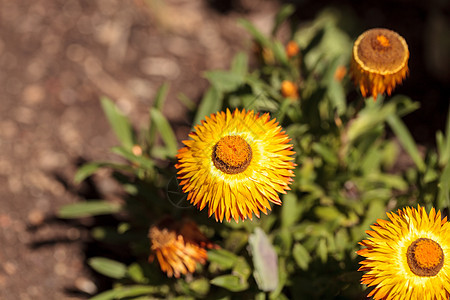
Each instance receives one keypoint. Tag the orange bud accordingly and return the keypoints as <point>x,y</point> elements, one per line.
<point>340,72</point>
<point>292,49</point>
<point>289,89</point>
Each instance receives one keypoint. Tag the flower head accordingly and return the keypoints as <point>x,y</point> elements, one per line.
<point>178,247</point>
<point>236,164</point>
<point>379,61</point>
<point>408,257</point>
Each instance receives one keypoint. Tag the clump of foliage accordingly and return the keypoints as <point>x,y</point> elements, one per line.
<point>346,178</point>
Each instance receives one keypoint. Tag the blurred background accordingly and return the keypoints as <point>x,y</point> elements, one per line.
<point>57,57</point>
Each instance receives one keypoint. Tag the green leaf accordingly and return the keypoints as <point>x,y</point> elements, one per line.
<point>242,268</point>
<point>211,103</point>
<point>341,239</point>
<point>108,267</point>
<point>301,256</point>
<point>280,53</point>
<point>405,138</point>
<point>165,130</point>
<point>328,213</point>
<point>285,12</point>
<point>87,209</point>
<point>123,292</point>
<point>136,273</point>
<point>444,188</point>
<point>327,154</point>
<point>336,93</point>
<point>200,286</point>
<point>190,104</point>
<point>230,282</point>
<point>88,169</point>
<point>322,250</point>
<point>367,120</point>
<point>265,261</point>
<point>239,65</point>
<point>141,161</point>
<point>161,96</point>
<point>289,211</point>
<point>236,241</point>
<point>224,258</point>
<point>255,33</point>
<point>444,145</point>
<point>119,123</point>
<point>225,81</point>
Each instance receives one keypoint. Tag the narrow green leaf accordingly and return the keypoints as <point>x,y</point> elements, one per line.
<point>255,33</point>
<point>285,12</point>
<point>119,123</point>
<point>85,171</point>
<point>444,188</point>
<point>265,261</point>
<point>106,295</point>
<point>108,267</point>
<point>211,103</point>
<point>161,96</point>
<point>444,149</point>
<point>86,209</point>
<point>140,161</point>
<point>190,104</point>
<point>230,282</point>
<point>405,138</point>
<point>280,53</point>
<point>88,169</point>
<point>301,256</point>
<point>165,130</point>
<point>123,292</point>
<point>368,119</point>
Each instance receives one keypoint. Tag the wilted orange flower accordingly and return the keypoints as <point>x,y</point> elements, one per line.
<point>379,61</point>
<point>236,164</point>
<point>178,246</point>
<point>289,89</point>
<point>292,49</point>
<point>408,257</point>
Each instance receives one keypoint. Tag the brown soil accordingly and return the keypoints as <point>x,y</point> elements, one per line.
<point>57,58</point>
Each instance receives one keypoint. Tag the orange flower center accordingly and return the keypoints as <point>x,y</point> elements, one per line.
<point>425,257</point>
<point>161,238</point>
<point>232,154</point>
<point>383,41</point>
